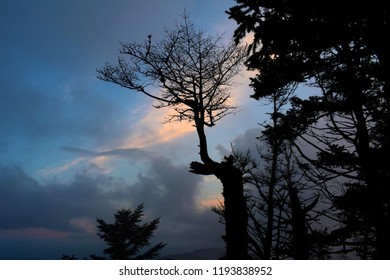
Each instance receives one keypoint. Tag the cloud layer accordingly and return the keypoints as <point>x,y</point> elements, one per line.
<point>35,211</point>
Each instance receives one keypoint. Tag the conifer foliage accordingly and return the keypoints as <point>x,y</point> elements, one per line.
<point>127,236</point>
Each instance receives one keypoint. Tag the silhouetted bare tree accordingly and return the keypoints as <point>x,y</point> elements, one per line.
<point>194,74</point>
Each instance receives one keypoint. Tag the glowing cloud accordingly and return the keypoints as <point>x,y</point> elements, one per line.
<point>153,129</point>
<point>209,203</point>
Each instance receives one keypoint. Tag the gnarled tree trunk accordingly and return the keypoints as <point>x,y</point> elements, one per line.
<point>235,211</point>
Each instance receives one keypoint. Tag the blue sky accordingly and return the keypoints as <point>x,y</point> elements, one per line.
<point>73,148</point>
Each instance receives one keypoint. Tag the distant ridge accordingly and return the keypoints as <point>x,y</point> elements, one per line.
<point>201,254</point>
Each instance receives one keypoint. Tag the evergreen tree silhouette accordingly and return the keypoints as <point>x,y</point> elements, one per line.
<point>337,48</point>
<point>127,236</point>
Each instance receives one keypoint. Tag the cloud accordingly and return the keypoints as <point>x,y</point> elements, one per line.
<point>97,159</point>
<point>41,233</point>
<point>54,33</point>
<point>223,151</point>
<point>245,142</point>
<point>26,203</point>
<point>37,119</point>
<point>248,140</point>
<point>85,224</point>
<point>173,185</point>
<point>153,129</point>
<point>60,169</point>
<point>186,223</point>
<point>68,210</point>
<point>128,153</point>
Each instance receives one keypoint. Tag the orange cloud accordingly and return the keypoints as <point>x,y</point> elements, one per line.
<point>35,233</point>
<point>100,162</point>
<point>211,202</point>
<point>153,129</point>
<point>210,193</point>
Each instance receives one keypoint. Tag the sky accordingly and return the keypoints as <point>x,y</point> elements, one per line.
<point>74,148</point>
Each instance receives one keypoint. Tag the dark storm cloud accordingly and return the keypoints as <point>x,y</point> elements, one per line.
<point>170,188</point>
<point>171,192</point>
<point>26,203</point>
<point>168,191</point>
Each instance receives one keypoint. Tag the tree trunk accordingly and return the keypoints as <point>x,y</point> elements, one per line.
<point>235,212</point>
<point>300,248</point>
<point>375,179</point>
<point>236,215</point>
